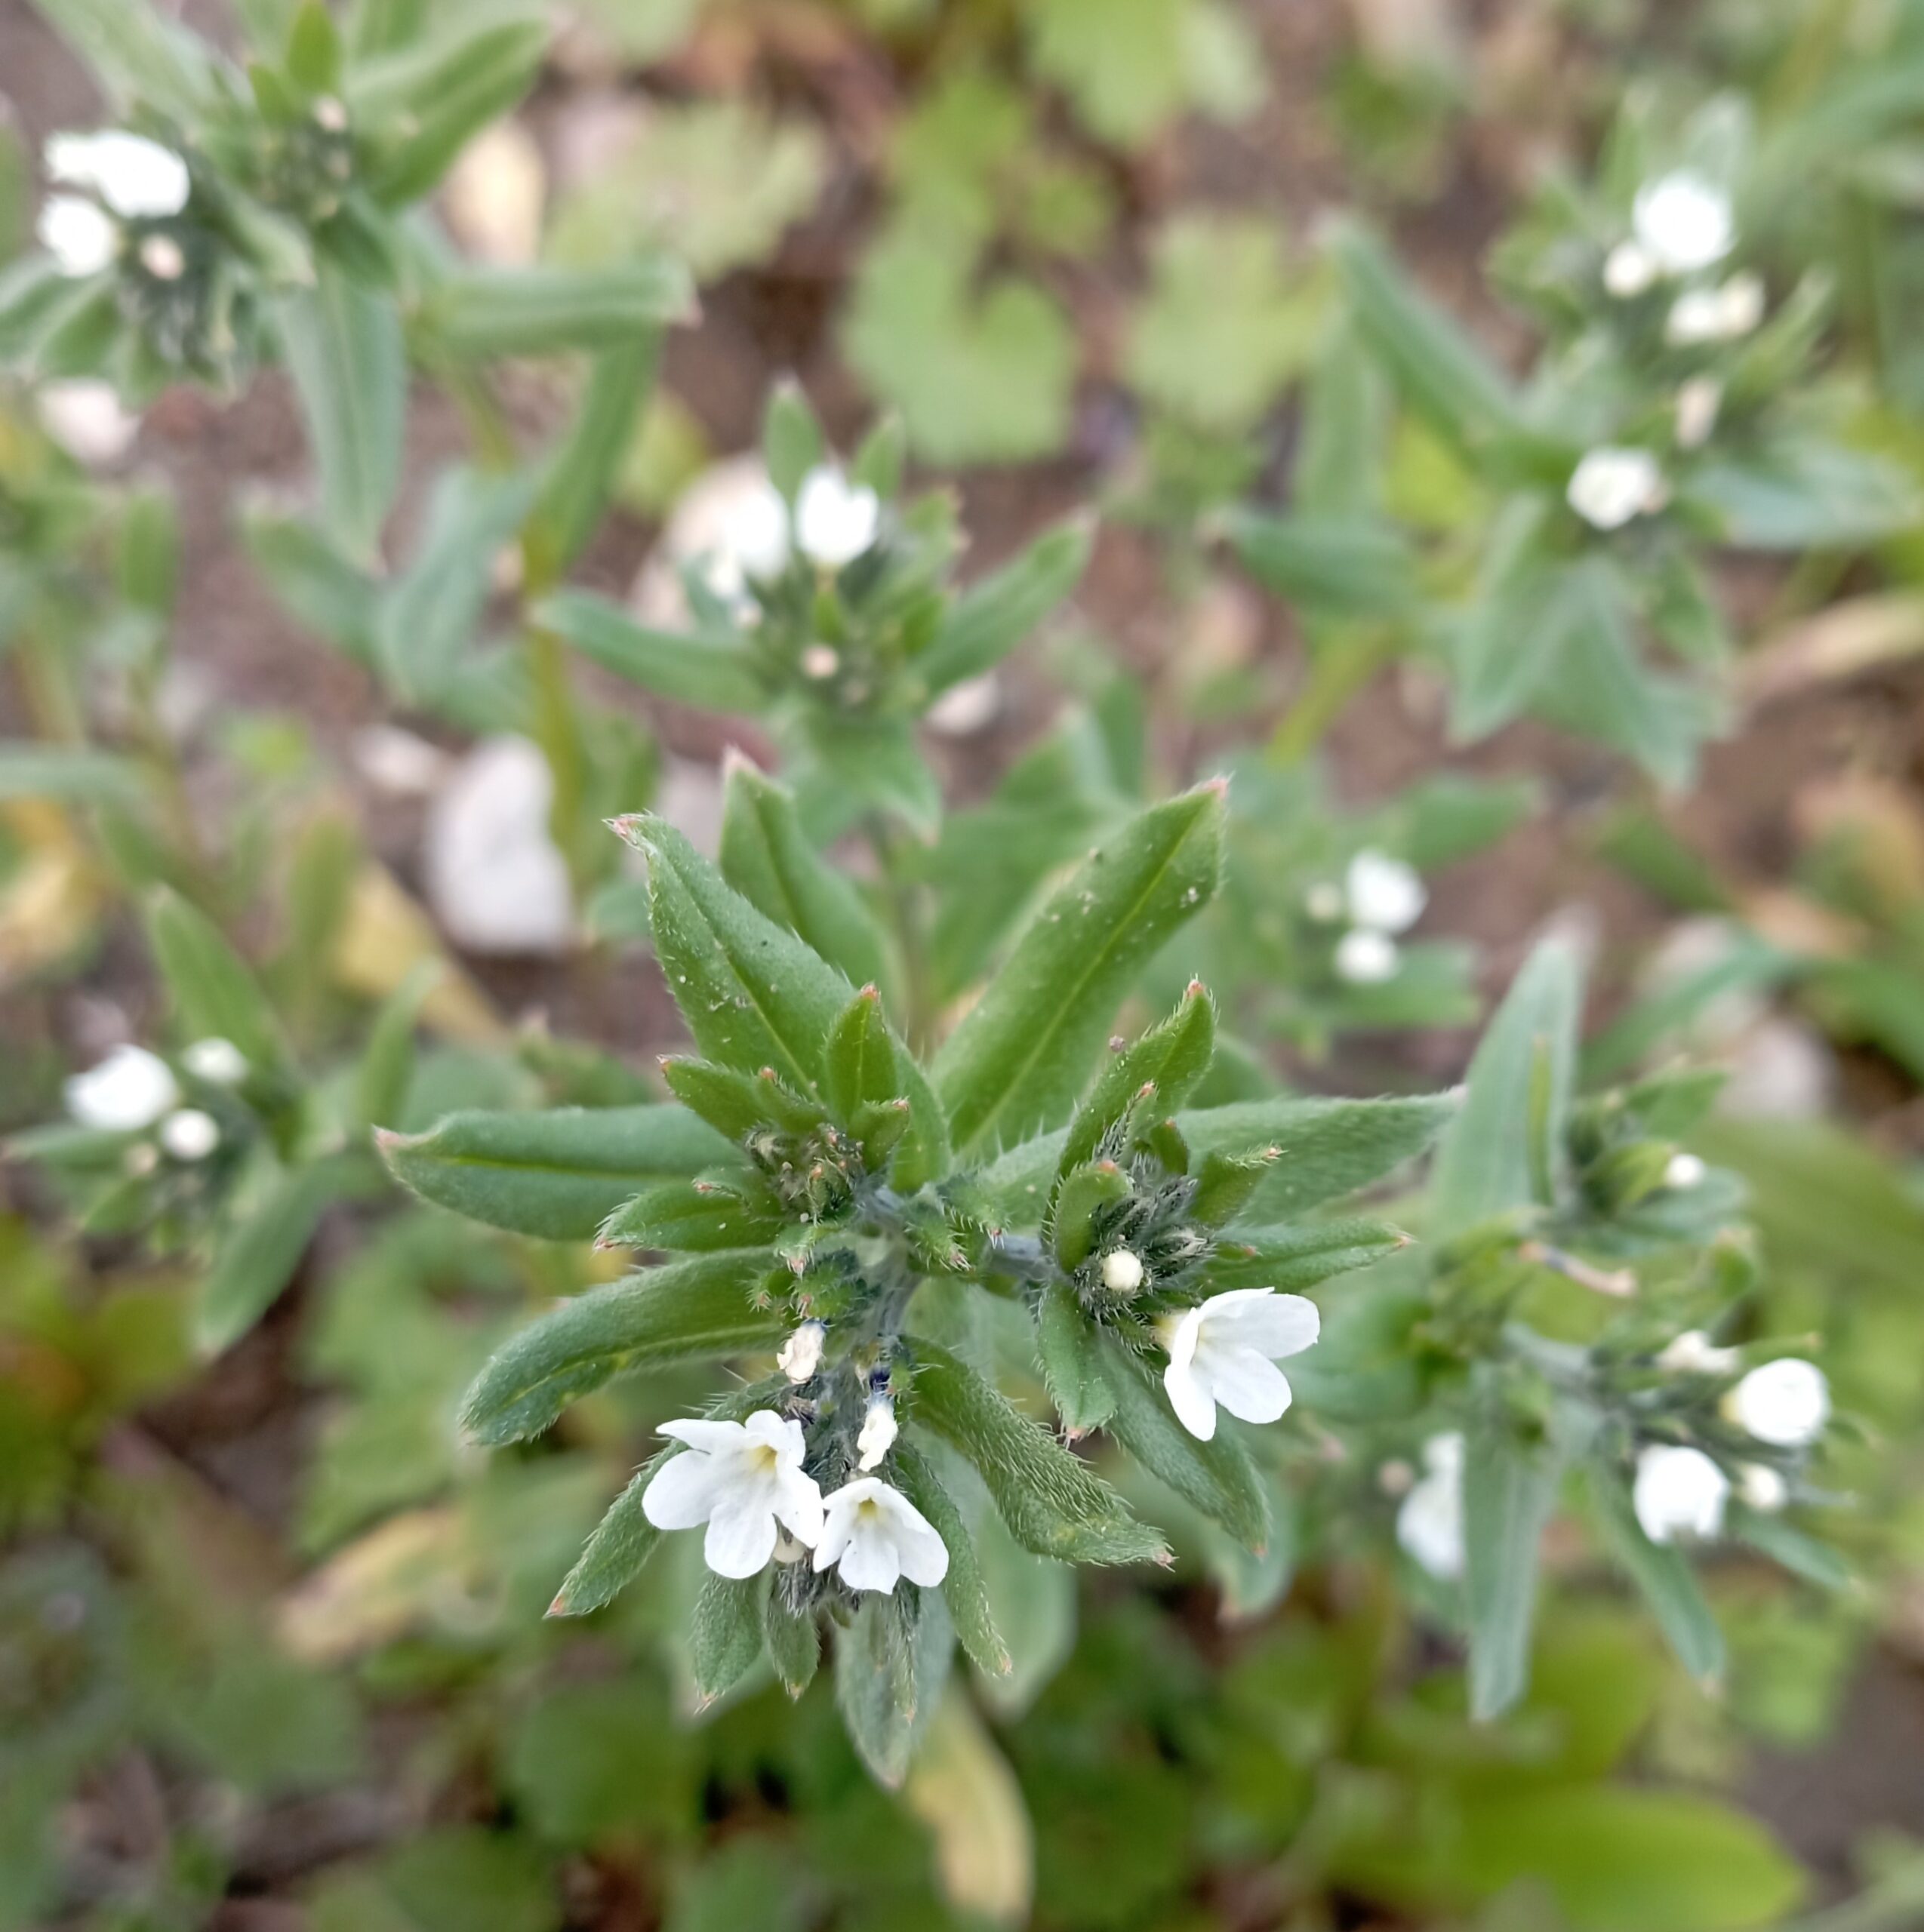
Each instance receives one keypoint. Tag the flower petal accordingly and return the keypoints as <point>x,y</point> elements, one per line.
<point>922,1554</point>
<point>1189,1396</point>
<point>1272,1325</point>
<point>871,1562</point>
<point>741,1536</point>
<point>682,1493</point>
<point>1248,1385</point>
<point>710,1438</point>
<point>799,1504</point>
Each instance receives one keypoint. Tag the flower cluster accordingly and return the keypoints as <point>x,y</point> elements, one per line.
<point>133,1090</point>
<point>1378,900</point>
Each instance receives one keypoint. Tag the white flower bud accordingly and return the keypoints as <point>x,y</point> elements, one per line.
<point>189,1134</point>
<point>85,418</point>
<point>1699,398</point>
<point>1684,222</point>
<point>1610,486</point>
<point>1121,1271</point>
<point>1726,314</point>
<point>801,1355</point>
<point>1365,958</point>
<point>160,256</point>
<point>878,1434</point>
<point>1383,893</point>
<point>820,661</point>
<point>218,1061</point>
<point>1678,1492</point>
<point>1762,1488</point>
<point>1684,1171</point>
<point>1324,901</point>
<point>1694,1353</point>
<point>835,520</point>
<point>81,239</point>
<point>1628,270</point>
<point>130,1089</point>
<point>1785,1403</point>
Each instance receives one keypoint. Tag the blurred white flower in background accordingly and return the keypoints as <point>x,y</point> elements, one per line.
<point>1699,398</point>
<point>741,1479</point>
<point>835,520</point>
<point>963,709</point>
<point>1678,1492</point>
<point>1366,958</point>
<point>1694,1353</point>
<point>1610,486</point>
<point>1225,1353</point>
<point>1785,1403</point>
<point>495,195</point>
<point>1762,1488</point>
<point>1628,270</point>
<point>82,240</point>
<point>494,877</point>
<point>732,524</point>
<point>1683,1170</point>
<point>1382,893</point>
<point>1725,314</point>
<point>876,1535</point>
<point>189,1134</point>
<point>86,419</point>
<point>218,1061</point>
<point>1684,222</point>
<point>137,178</point>
<point>130,1089</point>
<point>1430,1521</point>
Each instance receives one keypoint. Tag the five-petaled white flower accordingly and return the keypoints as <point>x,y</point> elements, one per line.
<point>137,178</point>
<point>1366,958</point>
<point>740,1479</point>
<point>1684,222</point>
<point>82,240</point>
<point>1678,1492</point>
<point>1610,486</point>
<point>878,1434</point>
<point>801,1355</point>
<point>1383,893</point>
<point>1724,314</point>
<point>130,1089</point>
<point>1226,1352</point>
<point>219,1061</point>
<point>835,520</point>
<point>1430,1521</point>
<point>1785,1403</point>
<point>877,1535</point>
<point>189,1134</point>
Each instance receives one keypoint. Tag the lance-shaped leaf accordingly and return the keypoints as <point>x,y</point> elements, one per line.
<point>794,1644</point>
<point>767,857</point>
<point>135,53</point>
<point>1215,1477</point>
<point>890,1663</point>
<point>753,994</point>
<point>883,1096</point>
<point>1053,1503</point>
<point>74,774</point>
<point>693,1217</point>
<point>213,990</point>
<point>257,1257</point>
<point>1330,566</point>
<point>1662,1572</point>
<point>724,1634</point>
<point>715,671</point>
<point>1504,1150</point>
<point>1067,1343</point>
<point>963,1588</point>
<point>624,1540</point>
<point>1171,1057</point>
<point>557,1175</point>
<point>343,346</point>
<point>991,618</point>
<point>1509,1491</point>
<point>478,313</point>
<point>1022,1054</point>
<point>738,1104</point>
<point>1294,1260</point>
<point>682,1311</point>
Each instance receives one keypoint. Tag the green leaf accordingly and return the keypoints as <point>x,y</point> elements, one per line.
<point>1785,1544</point>
<point>1082,1195</point>
<point>991,618</point>
<point>890,1662</point>
<point>474,314</point>
<point>258,1254</point>
<point>1508,1492</point>
<point>1662,1572</point>
<point>1504,1149</point>
<point>1294,1260</point>
<point>557,1175</point>
<point>213,991</point>
<point>963,1588</point>
<point>738,1104</point>
<point>699,1217</point>
<point>1215,1477</point>
<point>135,54</point>
<point>791,438</point>
<point>768,859</point>
<point>387,1063</point>
<point>712,672</point>
<point>1329,567</point>
<point>860,1067</point>
<point>69,774</point>
<point>1171,1057</point>
<point>1052,1503</point>
<point>343,348</point>
<point>1072,1366</point>
<point>725,1635</point>
<point>579,478</point>
<point>1024,1051</point>
<point>323,587</point>
<point>682,1311</point>
<point>794,1644</point>
<point>313,57</point>
<point>753,994</point>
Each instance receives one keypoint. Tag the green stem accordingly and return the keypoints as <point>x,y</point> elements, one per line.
<point>1337,672</point>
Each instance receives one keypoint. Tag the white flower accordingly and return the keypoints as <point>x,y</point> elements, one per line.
<point>1699,398</point>
<point>85,418</point>
<point>136,177</point>
<point>1366,958</point>
<point>130,1089</point>
<point>1610,486</point>
<point>1121,1271</point>
<point>740,1479</point>
<point>162,258</point>
<point>835,520</point>
<point>1725,314</point>
<point>877,1435</point>
<point>801,1355</point>
<point>877,1535</point>
<point>1429,1523</point>
<point>1785,1403</point>
<point>497,881</point>
<point>1383,893</point>
<point>80,238</point>
<point>189,1134</point>
<point>730,525</point>
<point>820,661</point>
<point>1694,1353</point>
<point>1226,1352</point>
<point>1762,1488</point>
<point>215,1060</point>
<point>1628,270</point>
<point>495,193</point>
<point>1684,222</point>
<point>1683,1170</point>
<point>1679,1493</point>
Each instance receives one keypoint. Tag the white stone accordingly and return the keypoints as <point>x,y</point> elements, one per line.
<point>495,878</point>
<point>85,418</point>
